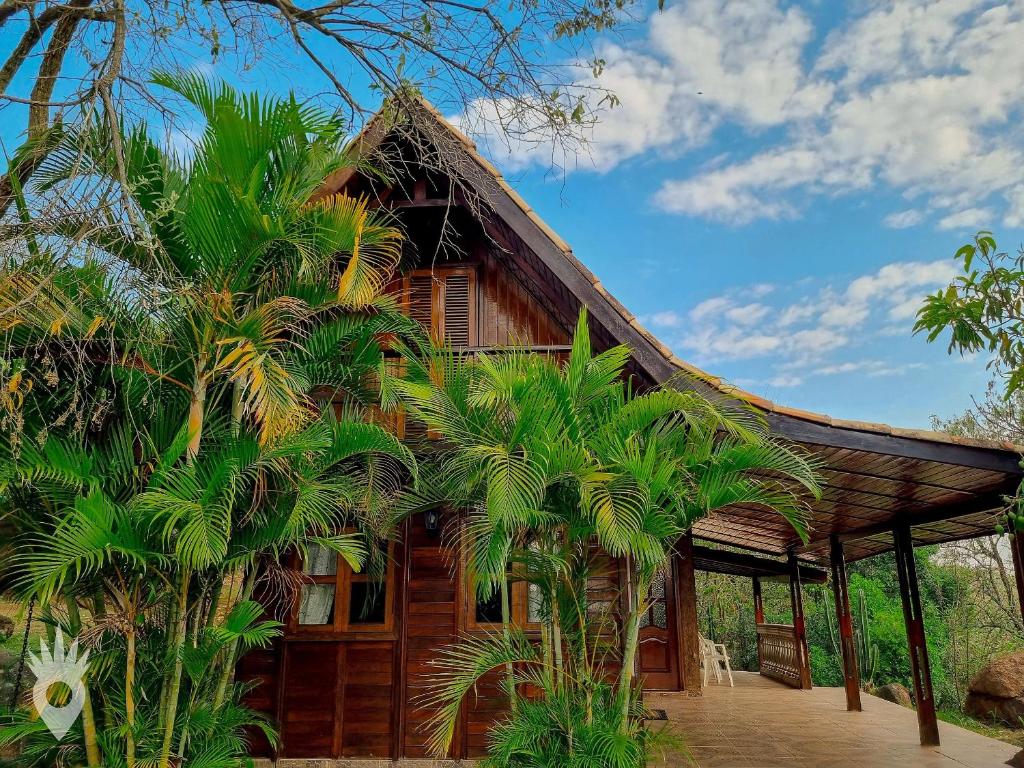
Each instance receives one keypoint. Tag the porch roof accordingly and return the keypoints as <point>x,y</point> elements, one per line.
<point>946,491</point>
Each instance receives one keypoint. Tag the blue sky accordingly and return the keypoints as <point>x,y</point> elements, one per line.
<point>782,182</point>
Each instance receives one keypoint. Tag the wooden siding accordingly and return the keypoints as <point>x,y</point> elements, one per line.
<point>430,621</point>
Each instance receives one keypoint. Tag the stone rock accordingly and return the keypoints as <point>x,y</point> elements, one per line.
<point>896,693</point>
<point>988,708</point>
<point>1003,677</point>
<point>997,691</point>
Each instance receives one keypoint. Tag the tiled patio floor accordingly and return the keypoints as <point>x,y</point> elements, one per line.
<point>762,724</point>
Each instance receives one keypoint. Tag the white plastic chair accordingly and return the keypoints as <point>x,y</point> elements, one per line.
<point>714,655</point>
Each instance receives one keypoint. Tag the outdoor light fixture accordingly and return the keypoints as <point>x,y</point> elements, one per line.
<point>432,521</point>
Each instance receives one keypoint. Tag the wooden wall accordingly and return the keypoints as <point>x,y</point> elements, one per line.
<point>430,621</point>
<point>511,314</point>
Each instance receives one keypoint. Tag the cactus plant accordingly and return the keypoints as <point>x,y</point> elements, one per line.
<point>833,635</point>
<point>867,651</point>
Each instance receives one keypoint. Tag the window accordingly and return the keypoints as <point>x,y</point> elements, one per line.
<point>334,598</point>
<point>444,302</point>
<point>656,614</point>
<point>525,602</point>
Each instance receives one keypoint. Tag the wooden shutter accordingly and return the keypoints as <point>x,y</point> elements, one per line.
<point>443,300</point>
<point>421,300</point>
<point>457,313</point>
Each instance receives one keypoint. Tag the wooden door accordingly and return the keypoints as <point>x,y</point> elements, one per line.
<point>659,651</point>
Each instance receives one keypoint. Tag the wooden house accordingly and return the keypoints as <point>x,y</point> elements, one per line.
<point>486,271</point>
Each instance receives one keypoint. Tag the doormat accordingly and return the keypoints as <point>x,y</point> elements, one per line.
<point>656,714</point>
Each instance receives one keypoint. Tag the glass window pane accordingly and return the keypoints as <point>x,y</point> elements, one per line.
<point>645,619</point>
<point>317,604</point>
<point>534,604</point>
<point>600,611</point>
<point>658,586</point>
<point>320,561</point>
<point>659,616</point>
<point>368,603</point>
<point>489,611</point>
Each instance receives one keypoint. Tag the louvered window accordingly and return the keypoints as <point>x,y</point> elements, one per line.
<point>456,316</point>
<point>443,300</point>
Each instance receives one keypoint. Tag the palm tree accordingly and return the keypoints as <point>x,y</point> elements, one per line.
<point>185,355</point>
<point>556,459</point>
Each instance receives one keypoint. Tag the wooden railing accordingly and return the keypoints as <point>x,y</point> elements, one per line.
<point>779,653</point>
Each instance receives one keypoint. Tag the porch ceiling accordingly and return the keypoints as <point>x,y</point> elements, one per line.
<point>947,492</point>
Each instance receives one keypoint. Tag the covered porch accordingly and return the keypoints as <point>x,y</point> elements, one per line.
<point>764,723</point>
<point>884,490</point>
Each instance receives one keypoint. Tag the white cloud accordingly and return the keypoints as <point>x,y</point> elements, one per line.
<point>919,97</point>
<point>701,64</point>
<point>710,307</point>
<point>1015,213</point>
<point>915,95</point>
<point>873,368</point>
<point>808,329</point>
<point>903,219</point>
<point>668,319</point>
<point>971,218</point>
<point>785,380</point>
<point>748,314</point>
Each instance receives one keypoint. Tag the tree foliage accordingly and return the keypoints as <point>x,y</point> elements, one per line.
<point>187,400</point>
<point>555,461</point>
<point>65,64</point>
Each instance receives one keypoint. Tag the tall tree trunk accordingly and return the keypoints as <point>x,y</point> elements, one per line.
<point>174,686</point>
<point>636,599</point>
<point>196,408</point>
<point>92,750</point>
<point>165,684</point>
<point>129,692</point>
<point>227,672</point>
<point>506,620</point>
<point>556,637</point>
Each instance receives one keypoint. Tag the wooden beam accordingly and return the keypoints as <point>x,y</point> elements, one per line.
<point>755,582</point>
<point>796,599</point>
<point>924,699</point>
<point>841,592</point>
<point>686,602</point>
<point>758,600</point>
<point>752,564</point>
<point>1017,550</point>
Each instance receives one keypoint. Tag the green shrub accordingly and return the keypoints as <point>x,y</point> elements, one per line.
<point>563,729</point>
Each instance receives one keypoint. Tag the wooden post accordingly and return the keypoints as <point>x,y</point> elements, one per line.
<point>686,602</point>
<point>796,599</point>
<point>758,602</point>
<point>841,591</point>
<point>914,620</point>
<point>758,616</point>
<point>1017,550</point>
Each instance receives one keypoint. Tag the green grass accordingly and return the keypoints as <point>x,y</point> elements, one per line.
<point>999,731</point>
